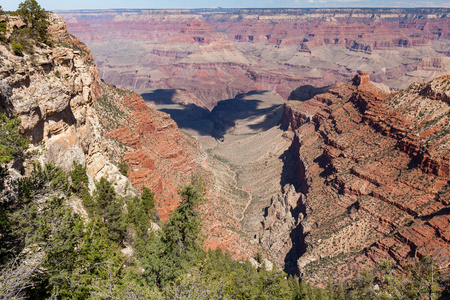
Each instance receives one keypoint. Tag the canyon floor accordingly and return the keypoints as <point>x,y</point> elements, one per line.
<point>247,150</point>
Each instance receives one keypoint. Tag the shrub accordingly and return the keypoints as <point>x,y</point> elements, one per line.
<point>108,205</point>
<point>17,48</point>
<point>80,180</point>
<point>148,202</point>
<point>42,180</point>
<point>12,144</point>
<point>123,168</point>
<point>2,32</point>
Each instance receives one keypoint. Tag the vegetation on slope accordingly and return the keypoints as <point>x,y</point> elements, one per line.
<point>34,32</point>
<point>49,251</point>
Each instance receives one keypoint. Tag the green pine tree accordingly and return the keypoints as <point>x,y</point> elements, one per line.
<point>109,207</point>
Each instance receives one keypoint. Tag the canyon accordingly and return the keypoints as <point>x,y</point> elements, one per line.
<point>375,175</point>
<point>70,115</point>
<point>339,177</point>
<point>215,54</point>
<point>351,170</point>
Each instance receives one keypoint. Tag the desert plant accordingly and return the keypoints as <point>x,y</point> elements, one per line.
<point>12,144</point>
<point>2,32</point>
<point>17,48</point>
<point>123,168</point>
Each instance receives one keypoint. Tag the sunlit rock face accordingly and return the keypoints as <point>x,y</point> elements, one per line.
<point>374,169</point>
<point>71,116</point>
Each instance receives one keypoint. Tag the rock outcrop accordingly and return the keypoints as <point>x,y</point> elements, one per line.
<point>374,174</point>
<point>52,92</point>
<point>63,105</point>
<point>159,155</point>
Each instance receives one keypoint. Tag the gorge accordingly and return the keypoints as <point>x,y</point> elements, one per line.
<point>333,161</point>
<point>324,146</point>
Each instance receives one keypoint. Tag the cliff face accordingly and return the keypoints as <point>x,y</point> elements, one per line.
<point>58,95</point>
<point>71,115</point>
<point>374,175</point>
<point>217,54</point>
<point>52,92</point>
<point>159,155</point>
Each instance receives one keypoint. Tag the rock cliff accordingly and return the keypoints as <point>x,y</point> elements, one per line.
<point>71,115</point>
<point>374,175</point>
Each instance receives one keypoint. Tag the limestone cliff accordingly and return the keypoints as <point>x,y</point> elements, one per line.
<point>374,174</point>
<point>71,115</point>
<point>52,90</point>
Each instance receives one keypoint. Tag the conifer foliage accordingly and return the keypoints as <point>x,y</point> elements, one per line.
<point>36,19</point>
<point>47,251</point>
<point>12,144</point>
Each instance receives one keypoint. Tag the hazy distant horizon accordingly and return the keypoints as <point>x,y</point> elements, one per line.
<point>193,4</point>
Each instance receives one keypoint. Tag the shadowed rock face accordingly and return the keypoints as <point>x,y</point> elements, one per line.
<point>374,171</point>
<point>247,154</point>
<point>216,55</point>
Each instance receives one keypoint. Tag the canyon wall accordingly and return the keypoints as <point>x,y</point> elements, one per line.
<point>374,173</point>
<point>371,169</point>
<point>359,175</point>
<point>71,116</point>
<point>216,54</point>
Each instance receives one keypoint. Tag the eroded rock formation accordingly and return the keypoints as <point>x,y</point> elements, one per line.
<point>371,169</point>
<point>58,95</point>
<point>216,55</point>
<point>374,175</point>
<point>159,155</point>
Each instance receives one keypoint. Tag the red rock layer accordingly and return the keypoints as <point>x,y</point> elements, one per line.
<point>157,152</point>
<point>271,47</point>
<point>374,169</point>
<point>382,30</point>
<point>162,158</point>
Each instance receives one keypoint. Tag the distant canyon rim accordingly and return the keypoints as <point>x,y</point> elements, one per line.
<point>215,54</point>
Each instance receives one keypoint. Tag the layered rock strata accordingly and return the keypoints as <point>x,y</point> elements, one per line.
<point>374,176</point>
<point>63,105</point>
<point>217,54</point>
<point>72,116</point>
